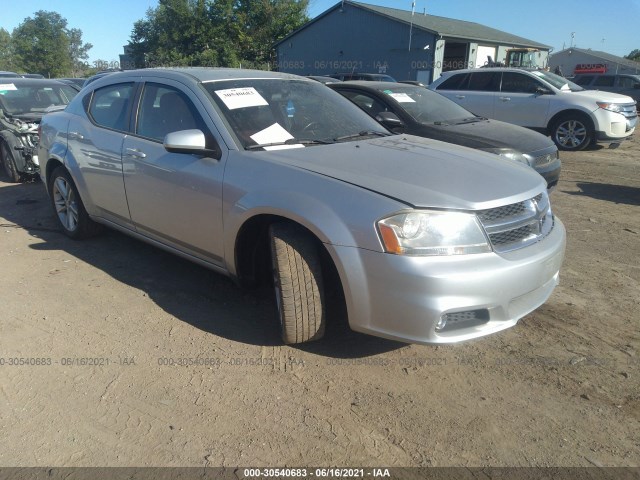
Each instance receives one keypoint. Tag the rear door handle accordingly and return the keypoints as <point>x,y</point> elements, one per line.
<point>76,136</point>
<point>133,152</point>
<point>460,96</point>
<point>505,99</point>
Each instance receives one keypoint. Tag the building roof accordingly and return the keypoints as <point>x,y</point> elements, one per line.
<point>446,27</point>
<point>603,55</point>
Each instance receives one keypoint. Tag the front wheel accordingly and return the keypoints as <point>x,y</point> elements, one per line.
<point>9,163</point>
<point>297,280</point>
<point>68,206</point>
<point>572,133</point>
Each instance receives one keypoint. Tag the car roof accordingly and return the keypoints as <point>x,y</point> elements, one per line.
<point>204,74</point>
<point>377,86</point>
<point>32,82</point>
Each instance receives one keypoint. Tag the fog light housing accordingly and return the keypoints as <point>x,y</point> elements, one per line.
<point>441,323</point>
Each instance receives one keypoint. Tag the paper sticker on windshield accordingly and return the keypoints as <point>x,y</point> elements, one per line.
<point>241,98</point>
<point>274,134</point>
<point>7,86</point>
<point>402,98</point>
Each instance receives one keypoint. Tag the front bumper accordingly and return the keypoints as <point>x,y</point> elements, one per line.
<point>614,127</point>
<point>403,298</point>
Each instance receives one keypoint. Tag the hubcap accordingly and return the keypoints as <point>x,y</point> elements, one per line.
<point>65,203</point>
<point>571,133</point>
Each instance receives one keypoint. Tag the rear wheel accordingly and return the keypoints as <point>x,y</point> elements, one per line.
<point>297,279</point>
<point>572,132</point>
<point>9,163</point>
<point>67,204</point>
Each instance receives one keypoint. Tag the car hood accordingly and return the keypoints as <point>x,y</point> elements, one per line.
<point>487,134</point>
<point>602,96</point>
<point>419,171</point>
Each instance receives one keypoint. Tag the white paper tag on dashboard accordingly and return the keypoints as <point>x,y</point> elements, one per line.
<point>241,97</point>
<point>7,86</point>
<point>274,134</point>
<point>402,98</point>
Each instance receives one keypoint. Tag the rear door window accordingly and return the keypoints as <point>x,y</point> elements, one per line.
<point>604,81</point>
<point>109,106</point>
<point>483,82</point>
<point>454,82</point>
<point>584,80</point>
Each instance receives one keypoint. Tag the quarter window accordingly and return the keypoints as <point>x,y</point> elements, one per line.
<point>110,106</point>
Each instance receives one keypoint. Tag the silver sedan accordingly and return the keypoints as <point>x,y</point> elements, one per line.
<point>252,172</point>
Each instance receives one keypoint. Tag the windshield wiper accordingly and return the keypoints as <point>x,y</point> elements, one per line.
<point>291,141</point>
<point>471,120</point>
<point>365,133</point>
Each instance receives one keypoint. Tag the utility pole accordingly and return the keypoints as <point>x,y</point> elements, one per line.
<point>573,35</point>
<point>413,11</point>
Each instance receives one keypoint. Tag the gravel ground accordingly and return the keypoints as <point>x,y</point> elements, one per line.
<point>99,323</point>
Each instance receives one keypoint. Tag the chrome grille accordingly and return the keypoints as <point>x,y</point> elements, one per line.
<point>628,110</point>
<point>519,224</point>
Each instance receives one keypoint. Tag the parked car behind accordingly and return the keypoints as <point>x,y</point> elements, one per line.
<point>368,77</point>
<point>78,82</point>
<point>543,101</point>
<point>418,111</point>
<point>4,74</point>
<point>23,102</point>
<point>623,83</point>
<point>323,79</point>
<point>252,173</point>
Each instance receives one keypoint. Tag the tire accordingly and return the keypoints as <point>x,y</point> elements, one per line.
<point>68,206</point>
<point>572,132</point>
<point>9,163</point>
<point>297,279</point>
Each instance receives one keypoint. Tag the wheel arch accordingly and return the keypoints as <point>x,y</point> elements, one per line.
<point>567,113</point>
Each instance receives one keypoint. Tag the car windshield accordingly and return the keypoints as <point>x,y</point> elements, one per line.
<point>281,113</point>
<point>557,81</point>
<point>426,106</point>
<point>16,99</point>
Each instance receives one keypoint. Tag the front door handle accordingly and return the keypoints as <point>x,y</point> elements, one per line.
<point>76,136</point>
<point>134,152</point>
<point>460,97</point>
<point>505,99</point>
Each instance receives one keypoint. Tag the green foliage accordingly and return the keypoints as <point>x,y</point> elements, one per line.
<point>43,44</point>
<point>634,55</point>
<point>6,51</point>
<point>214,32</point>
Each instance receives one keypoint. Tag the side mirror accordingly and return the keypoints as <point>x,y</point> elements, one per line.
<point>190,141</point>
<point>636,86</point>
<point>389,120</point>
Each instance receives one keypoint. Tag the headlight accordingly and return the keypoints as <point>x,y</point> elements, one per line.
<point>612,107</point>
<point>511,155</point>
<point>433,233</point>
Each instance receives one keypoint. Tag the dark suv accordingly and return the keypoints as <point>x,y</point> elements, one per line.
<point>623,83</point>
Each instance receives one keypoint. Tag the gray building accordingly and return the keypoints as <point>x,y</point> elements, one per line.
<point>577,60</point>
<point>357,37</point>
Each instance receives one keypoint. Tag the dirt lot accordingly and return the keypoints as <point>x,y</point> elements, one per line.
<point>562,388</point>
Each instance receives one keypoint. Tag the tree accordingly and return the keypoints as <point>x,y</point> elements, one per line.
<point>43,44</point>
<point>634,55</point>
<point>78,51</point>
<point>214,32</point>
<point>6,53</point>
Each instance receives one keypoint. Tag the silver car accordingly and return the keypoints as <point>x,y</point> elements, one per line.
<point>251,171</point>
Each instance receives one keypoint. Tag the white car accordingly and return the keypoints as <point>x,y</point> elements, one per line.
<point>543,101</point>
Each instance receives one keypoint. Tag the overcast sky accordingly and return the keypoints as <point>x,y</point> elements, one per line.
<point>610,26</point>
